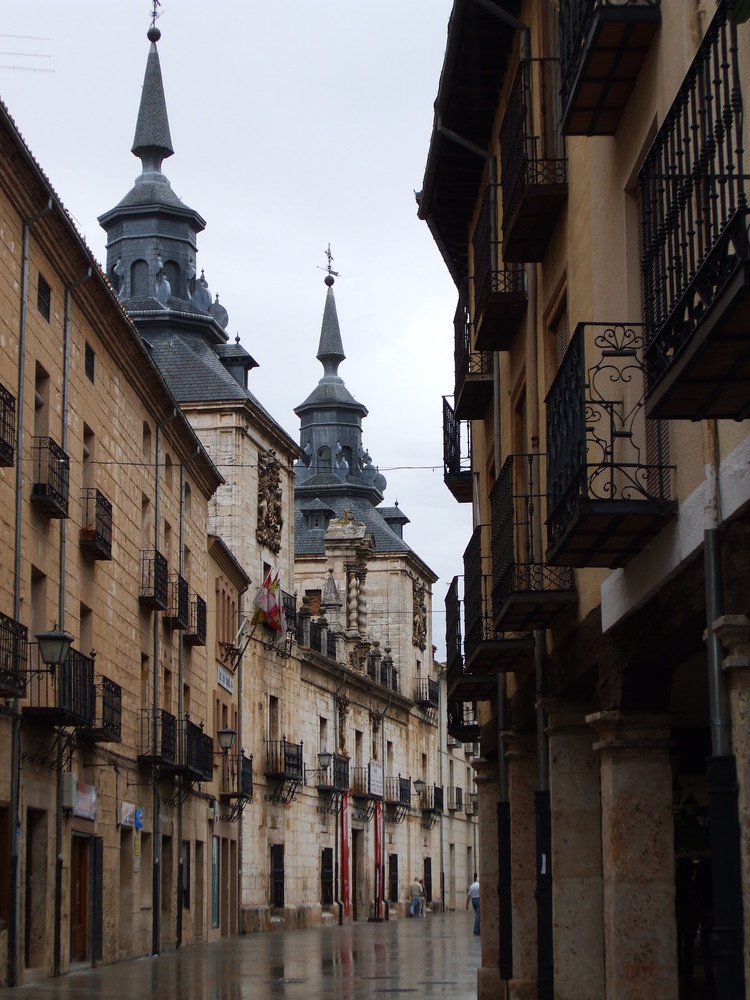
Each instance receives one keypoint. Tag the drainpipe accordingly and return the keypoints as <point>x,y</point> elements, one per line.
<point>339,903</point>
<point>15,745</point>
<point>441,676</point>
<point>721,767</point>
<point>57,946</point>
<point>156,867</point>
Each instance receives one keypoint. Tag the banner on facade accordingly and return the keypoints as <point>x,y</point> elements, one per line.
<point>378,858</point>
<point>85,801</point>
<point>345,851</point>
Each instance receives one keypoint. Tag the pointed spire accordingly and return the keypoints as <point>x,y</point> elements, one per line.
<point>330,350</point>
<point>152,142</point>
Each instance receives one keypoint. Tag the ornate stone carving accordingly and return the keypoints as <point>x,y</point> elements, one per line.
<point>270,520</point>
<point>419,637</point>
<point>342,703</point>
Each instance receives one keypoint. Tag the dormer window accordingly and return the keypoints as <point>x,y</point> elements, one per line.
<point>324,459</point>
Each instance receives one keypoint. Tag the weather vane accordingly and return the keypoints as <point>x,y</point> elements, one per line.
<point>331,272</point>
<point>154,12</point>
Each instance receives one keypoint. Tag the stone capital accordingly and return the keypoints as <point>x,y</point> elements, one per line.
<point>733,632</point>
<point>566,714</point>
<point>518,745</point>
<point>623,731</point>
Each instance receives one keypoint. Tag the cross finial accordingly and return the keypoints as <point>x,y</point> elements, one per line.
<point>154,13</point>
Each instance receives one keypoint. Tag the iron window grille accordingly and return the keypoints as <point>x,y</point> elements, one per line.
<point>14,656</point>
<point>96,531</point>
<point>7,427</point>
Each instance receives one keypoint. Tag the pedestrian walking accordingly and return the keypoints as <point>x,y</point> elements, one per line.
<point>473,895</point>
<point>415,890</point>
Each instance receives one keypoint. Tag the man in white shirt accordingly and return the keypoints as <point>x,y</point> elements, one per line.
<point>473,895</point>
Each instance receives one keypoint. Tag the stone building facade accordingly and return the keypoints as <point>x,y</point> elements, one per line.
<point>585,185</point>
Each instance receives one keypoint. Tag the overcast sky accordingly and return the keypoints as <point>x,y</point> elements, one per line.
<point>295,124</point>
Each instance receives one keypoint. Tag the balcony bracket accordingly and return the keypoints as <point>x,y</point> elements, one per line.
<point>396,813</point>
<point>364,812</point>
<point>46,754</point>
<point>331,804</point>
<point>284,791</point>
<point>236,811</point>
<point>430,820</point>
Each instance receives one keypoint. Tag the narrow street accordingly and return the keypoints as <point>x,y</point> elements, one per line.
<point>436,956</point>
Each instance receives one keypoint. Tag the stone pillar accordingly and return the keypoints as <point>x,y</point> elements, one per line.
<point>523,779</point>
<point>734,633</point>
<point>578,906</point>
<point>640,934</point>
<point>488,976</point>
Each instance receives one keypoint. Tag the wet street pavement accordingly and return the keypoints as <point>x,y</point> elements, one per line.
<point>436,956</point>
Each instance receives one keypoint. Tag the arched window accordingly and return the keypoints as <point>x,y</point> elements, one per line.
<point>324,459</point>
<point>139,280</point>
<point>172,271</point>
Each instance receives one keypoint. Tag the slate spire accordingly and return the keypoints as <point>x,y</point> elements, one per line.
<point>152,142</point>
<point>330,349</point>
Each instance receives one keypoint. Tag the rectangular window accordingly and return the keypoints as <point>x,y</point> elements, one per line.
<point>393,877</point>
<point>326,876</point>
<point>89,362</point>
<point>43,297</point>
<point>277,875</point>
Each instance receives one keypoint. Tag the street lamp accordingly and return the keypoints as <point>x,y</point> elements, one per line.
<point>418,786</point>
<point>226,738</point>
<point>54,646</point>
<point>324,762</point>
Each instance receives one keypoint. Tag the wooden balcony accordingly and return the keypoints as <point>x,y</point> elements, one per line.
<point>457,474</point>
<point>603,46</point>
<point>96,530</point>
<point>609,482</point>
<point>532,157</point>
<point>527,593</point>
<point>696,251</point>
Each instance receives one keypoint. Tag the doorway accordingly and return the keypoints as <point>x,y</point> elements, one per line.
<point>80,899</point>
<point>35,888</point>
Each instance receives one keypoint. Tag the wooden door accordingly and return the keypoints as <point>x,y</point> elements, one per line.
<point>79,914</point>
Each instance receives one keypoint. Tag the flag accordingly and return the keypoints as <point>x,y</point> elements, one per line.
<point>267,611</point>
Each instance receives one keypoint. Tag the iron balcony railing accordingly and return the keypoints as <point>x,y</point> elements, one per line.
<point>197,753</point>
<point>470,804</point>
<point>14,657</point>
<point>316,637</point>
<point>158,737</point>
<point>63,695</point>
<point>499,288</point>
<point>427,692</point>
<point>108,720</point>
<point>236,777</point>
<point>49,490</point>
<point>96,530</point>
<point>532,160</point>
<point>694,226</point>
<point>7,427</point>
<point>335,777</point>
<point>154,592</point>
<point>195,633</point>
<point>432,798</point>
<point>455,799</point>
<point>527,593</point>
<point>456,454</point>
<point>603,44</point>
<point>178,612</point>
<point>463,723</point>
<point>473,369</point>
<point>289,606</point>
<point>284,760</point>
<point>478,622</point>
<point>360,781</point>
<point>453,644</point>
<point>608,473</point>
<point>397,791</point>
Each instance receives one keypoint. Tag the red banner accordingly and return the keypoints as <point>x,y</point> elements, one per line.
<point>378,858</point>
<point>345,851</point>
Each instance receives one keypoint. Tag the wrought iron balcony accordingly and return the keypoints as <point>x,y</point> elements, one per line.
<point>196,753</point>
<point>474,369</point>
<point>397,791</point>
<point>696,250</point>
<point>463,724</point>
<point>432,799</point>
<point>335,777</point>
<point>284,760</point>
<point>456,454</point>
<point>289,606</point>
<point>455,799</point>
<point>158,738</point>
<point>49,489</point>
<point>178,612</point>
<point>427,692</point>
<point>236,777</point>
<point>533,169</point>
<point>362,786</point>
<point>608,477</point>
<point>154,592</point>
<point>7,427</point>
<point>63,695</point>
<point>96,532</point>
<point>487,649</point>
<point>603,45</point>
<point>499,290</point>
<point>107,725</point>
<point>14,657</point>
<point>195,634</point>
<point>527,594</point>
